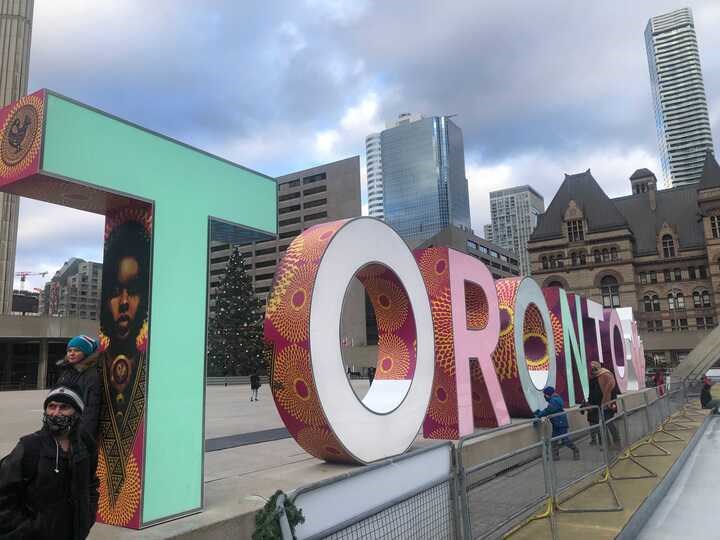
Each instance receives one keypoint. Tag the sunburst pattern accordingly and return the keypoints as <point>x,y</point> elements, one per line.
<point>128,501</point>
<point>443,404</point>
<point>322,444</point>
<point>443,331</point>
<point>389,301</point>
<point>290,313</point>
<point>476,304</point>
<point>315,240</point>
<point>393,358</point>
<point>433,263</point>
<point>294,388</point>
<point>36,102</point>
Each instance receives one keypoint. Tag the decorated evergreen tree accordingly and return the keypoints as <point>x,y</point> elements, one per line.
<point>235,334</point>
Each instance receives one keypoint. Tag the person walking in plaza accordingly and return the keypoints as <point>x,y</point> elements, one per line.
<point>606,386</point>
<point>254,386</point>
<point>559,422</point>
<point>48,485</point>
<point>659,381</point>
<point>79,368</point>
<point>706,399</point>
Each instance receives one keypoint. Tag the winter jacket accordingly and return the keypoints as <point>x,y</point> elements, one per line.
<point>559,422</point>
<point>705,395</point>
<point>38,503</point>
<point>85,376</point>
<point>254,382</point>
<point>608,386</point>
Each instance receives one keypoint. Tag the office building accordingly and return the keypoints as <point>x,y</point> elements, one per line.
<point>488,232</point>
<point>500,262</point>
<point>15,33</point>
<point>74,291</point>
<point>305,198</point>
<point>424,184</point>
<point>657,252</point>
<point>373,164</point>
<point>514,213</point>
<point>681,111</point>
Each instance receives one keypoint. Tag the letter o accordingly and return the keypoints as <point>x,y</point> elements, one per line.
<point>309,384</point>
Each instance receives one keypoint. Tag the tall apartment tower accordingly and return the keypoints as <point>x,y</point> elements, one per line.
<point>514,213</point>
<point>681,112</point>
<point>74,291</point>
<point>15,33</point>
<point>424,184</point>
<point>373,164</point>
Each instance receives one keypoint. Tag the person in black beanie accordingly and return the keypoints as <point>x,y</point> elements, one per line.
<point>48,485</point>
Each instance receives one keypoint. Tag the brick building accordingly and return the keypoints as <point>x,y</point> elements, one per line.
<point>655,251</point>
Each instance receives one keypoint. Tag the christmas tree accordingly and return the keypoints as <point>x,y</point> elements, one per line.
<point>235,334</point>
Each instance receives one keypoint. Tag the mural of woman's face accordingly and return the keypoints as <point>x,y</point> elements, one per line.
<point>125,298</point>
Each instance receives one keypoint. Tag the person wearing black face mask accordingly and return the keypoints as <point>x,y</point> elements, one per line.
<point>48,485</point>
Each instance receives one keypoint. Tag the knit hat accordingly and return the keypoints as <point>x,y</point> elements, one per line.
<point>69,395</point>
<point>549,391</point>
<point>85,343</point>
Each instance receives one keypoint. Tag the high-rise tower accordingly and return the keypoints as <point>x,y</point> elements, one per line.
<point>681,112</point>
<point>424,184</point>
<point>15,33</point>
<point>514,213</point>
<point>373,164</point>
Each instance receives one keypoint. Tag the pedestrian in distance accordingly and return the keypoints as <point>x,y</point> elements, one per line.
<point>371,374</point>
<point>604,381</point>
<point>79,368</point>
<point>48,485</point>
<point>659,381</point>
<point>706,399</point>
<point>254,386</point>
<point>559,422</point>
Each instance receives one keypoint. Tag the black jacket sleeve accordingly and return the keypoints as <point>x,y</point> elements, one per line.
<point>91,414</point>
<point>16,521</point>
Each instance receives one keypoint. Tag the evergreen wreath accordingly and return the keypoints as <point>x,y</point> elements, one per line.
<point>267,520</point>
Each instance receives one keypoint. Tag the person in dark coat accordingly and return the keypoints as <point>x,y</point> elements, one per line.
<point>706,399</point>
<point>254,386</point>
<point>559,422</point>
<point>80,368</point>
<point>48,485</point>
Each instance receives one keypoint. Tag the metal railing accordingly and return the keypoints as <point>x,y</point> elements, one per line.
<point>496,496</point>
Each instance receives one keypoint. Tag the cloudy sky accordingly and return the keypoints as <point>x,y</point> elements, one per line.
<point>540,88</point>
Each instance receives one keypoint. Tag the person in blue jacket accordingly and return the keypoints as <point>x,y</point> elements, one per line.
<point>559,422</point>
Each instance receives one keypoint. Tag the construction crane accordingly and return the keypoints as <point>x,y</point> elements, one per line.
<point>24,275</point>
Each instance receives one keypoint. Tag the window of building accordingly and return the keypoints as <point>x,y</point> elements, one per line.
<point>705,323</point>
<point>313,191</point>
<point>574,258</point>
<point>560,261</point>
<point>264,264</point>
<point>314,178</point>
<point>219,260</point>
<point>289,234</point>
<point>260,277</point>
<point>265,251</point>
<point>544,263</point>
<point>705,299</point>
<point>610,292</point>
<point>293,183</point>
<point>290,221</point>
<point>289,196</point>
<point>613,254</point>
<point>553,262</point>
<point>715,226</point>
<point>583,259</point>
<point>702,272</point>
<point>471,244</point>
<point>691,272</point>
<point>643,278</point>
<point>313,204</point>
<point>678,325</point>
<point>667,275</point>
<point>676,300</point>
<point>668,246</point>
<point>318,215</point>
<point>652,277</point>
<point>596,256</point>
<point>605,255</point>
<point>655,302</point>
<point>288,209</point>
<point>677,273</point>
<point>696,299</point>
<point>655,326</point>
<point>575,230</point>
<point>647,303</point>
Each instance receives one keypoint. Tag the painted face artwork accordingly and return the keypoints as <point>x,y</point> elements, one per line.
<point>456,349</point>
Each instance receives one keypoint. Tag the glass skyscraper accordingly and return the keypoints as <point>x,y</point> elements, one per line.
<point>681,112</point>
<point>424,184</point>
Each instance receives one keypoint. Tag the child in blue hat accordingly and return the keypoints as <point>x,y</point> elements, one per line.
<point>79,369</point>
<point>559,422</point>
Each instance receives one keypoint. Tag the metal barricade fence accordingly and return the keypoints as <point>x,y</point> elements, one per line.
<point>498,493</point>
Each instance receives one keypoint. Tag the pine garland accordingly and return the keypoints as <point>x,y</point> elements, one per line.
<point>267,524</point>
<point>235,336</point>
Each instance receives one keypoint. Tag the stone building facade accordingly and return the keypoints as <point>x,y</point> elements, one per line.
<point>655,251</point>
